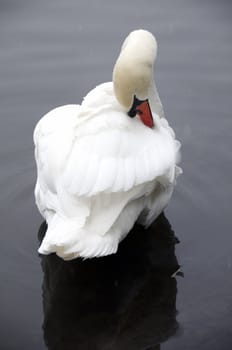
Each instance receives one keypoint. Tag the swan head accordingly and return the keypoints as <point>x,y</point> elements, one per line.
<point>133,74</point>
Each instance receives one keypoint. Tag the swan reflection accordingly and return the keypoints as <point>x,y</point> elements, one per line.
<point>123,301</point>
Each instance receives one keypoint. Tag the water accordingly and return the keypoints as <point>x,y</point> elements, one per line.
<point>53,53</point>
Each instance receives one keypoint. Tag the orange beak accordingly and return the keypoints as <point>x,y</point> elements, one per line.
<point>142,108</point>
<point>144,111</point>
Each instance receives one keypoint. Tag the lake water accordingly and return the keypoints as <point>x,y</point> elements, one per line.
<point>52,53</point>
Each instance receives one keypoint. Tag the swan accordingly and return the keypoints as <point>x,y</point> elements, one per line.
<point>107,163</point>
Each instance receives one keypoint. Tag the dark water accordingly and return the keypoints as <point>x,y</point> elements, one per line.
<point>53,53</point>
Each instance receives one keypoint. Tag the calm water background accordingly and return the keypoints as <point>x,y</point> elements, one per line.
<point>53,53</point>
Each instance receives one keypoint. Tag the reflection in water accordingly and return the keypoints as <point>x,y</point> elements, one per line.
<point>123,301</point>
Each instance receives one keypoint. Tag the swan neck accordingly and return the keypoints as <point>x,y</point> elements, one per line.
<point>154,99</point>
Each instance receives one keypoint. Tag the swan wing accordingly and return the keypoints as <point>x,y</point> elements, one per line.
<point>117,154</point>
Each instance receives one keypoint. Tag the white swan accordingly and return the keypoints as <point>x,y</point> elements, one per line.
<point>108,162</point>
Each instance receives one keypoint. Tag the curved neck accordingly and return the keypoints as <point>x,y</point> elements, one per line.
<point>154,100</point>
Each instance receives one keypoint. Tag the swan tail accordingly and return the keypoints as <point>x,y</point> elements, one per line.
<point>61,233</point>
<point>69,240</point>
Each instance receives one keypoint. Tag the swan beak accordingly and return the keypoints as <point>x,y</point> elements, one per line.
<point>142,108</point>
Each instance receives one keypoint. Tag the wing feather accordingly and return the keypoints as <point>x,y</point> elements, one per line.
<point>117,160</point>
<point>101,158</point>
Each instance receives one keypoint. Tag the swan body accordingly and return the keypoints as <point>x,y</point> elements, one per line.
<point>98,170</point>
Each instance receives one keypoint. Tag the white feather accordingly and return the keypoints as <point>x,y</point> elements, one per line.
<point>98,172</point>
<point>89,175</point>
